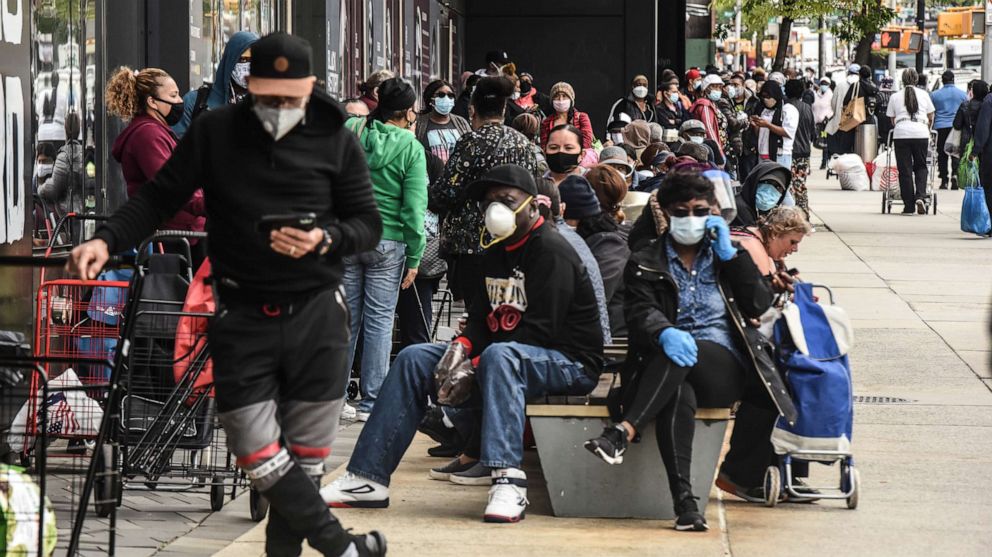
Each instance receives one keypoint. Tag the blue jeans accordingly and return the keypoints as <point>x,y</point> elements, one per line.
<point>508,375</point>
<point>372,286</point>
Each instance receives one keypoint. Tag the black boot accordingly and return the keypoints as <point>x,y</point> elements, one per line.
<point>689,518</point>
<point>280,539</point>
<point>296,498</point>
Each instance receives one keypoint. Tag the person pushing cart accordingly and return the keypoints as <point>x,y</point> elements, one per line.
<point>287,195</point>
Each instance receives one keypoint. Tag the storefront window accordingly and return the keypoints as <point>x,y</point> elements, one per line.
<point>219,20</point>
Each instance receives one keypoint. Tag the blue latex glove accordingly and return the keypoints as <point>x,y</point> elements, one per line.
<point>719,233</point>
<point>679,346</point>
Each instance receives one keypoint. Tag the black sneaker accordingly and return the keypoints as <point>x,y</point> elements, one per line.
<point>689,518</point>
<point>372,544</point>
<point>609,446</point>
<point>444,451</point>
<point>954,183</point>
<point>442,473</point>
<point>943,183</point>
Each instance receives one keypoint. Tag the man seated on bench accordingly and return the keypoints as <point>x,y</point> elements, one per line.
<point>686,293</point>
<point>534,332</point>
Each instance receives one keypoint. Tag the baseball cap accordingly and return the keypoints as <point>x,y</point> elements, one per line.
<point>280,66</point>
<point>692,74</point>
<point>712,79</point>
<point>497,57</point>
<point>503,175</point>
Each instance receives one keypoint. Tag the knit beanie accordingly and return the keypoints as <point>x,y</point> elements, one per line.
<point>563,87</point>
<point>579,199</point>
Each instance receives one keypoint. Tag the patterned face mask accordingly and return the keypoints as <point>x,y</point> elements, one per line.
<point>240,73</point>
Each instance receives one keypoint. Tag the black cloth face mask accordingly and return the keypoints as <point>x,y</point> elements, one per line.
<point>560,163</point>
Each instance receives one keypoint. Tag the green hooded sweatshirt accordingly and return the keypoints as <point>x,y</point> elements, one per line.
<point>399,180</point>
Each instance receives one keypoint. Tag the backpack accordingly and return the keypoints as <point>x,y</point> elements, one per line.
<point>200,104</point>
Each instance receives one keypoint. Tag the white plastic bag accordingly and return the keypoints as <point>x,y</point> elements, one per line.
<point>850,169</point>
<point>886,174</point>
<point>68,412</point>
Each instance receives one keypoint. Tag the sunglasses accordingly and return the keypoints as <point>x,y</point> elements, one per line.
<point>696,212</point>
<point>442,95</point>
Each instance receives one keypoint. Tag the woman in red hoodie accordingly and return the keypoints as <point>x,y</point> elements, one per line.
<point>149,100</point>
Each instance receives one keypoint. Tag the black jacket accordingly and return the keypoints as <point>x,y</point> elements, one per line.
<point>652,302</point>
<point>628,105</point>
<point>805,131</point>
<point>537,292</point>
<point>964,120</point>
<point>735,128</point>
<point>317,167</point>
<point>671,119</point>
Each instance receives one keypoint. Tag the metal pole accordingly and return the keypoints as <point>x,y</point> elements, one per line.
<point>738,66</point>
<point>892,53</point>
<point>986,44</point>
<point>821,54</point>
<point>921,15</point>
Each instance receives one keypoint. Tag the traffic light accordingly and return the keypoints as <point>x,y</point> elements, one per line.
<point>891,39</point>
<point>912,42</point>
<point>961,22</point>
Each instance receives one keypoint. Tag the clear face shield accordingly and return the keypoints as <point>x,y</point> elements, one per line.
<point>725,189</point>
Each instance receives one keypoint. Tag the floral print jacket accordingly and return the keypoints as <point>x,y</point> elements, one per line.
<point>475,153</point>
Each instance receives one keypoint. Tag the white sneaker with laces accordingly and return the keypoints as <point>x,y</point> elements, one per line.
<point>507,497</point>
<point>351,491</point>
<point>348,412</point>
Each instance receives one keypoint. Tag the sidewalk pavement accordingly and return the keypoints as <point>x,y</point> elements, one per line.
<point>919,293</point>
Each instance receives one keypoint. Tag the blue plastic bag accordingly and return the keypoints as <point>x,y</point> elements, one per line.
<point>974,212</point>
<point>107,303</point>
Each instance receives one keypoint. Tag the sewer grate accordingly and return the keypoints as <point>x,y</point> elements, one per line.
<point>860,399</point>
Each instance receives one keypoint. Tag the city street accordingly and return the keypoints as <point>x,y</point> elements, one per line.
<point>918,292</point>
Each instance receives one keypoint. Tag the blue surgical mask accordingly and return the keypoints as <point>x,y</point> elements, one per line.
<point>824,88</point>
<point>767,197</point>
<point>715,95</point>
<point>673,97</point>
<point>732,92</point>
<point>443,105</point>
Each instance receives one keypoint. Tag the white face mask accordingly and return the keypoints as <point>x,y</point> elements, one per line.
<point>43,169</point>
<point>640,91</point>
<point>687,231</point>
<point>697,139</point>
<point>278,121</point>
<point>616,138</point>
<point>852,79</point>
<point>515,95</point>
<point>562,105</point>
<point>501,222</point>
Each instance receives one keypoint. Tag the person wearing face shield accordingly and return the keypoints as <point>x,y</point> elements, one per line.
<point>636,104</point>
<point>687,294</point>
<point>533,330</point>
<point>279,341</point>
<point>373,279</point>
<point>229,85</point>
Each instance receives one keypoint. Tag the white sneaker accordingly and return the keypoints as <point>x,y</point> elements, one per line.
<point>507,496</point>
<point>348,412</point>
<point>350,491</point>
<point>362,416</point>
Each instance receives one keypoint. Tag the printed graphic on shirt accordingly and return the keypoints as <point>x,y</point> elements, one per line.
<point>441,141</point>
<point>508,298</point>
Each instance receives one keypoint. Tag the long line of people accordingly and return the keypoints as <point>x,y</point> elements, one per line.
<point>550,268</point>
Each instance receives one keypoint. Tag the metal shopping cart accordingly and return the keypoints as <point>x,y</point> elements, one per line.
<point>169,433</point>
<point>54,398</point>
<point>890,184</point>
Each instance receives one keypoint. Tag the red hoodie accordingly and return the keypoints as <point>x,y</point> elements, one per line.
<point>142,148</point>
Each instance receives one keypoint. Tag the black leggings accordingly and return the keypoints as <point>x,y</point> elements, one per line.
<point>668,395</point>
<point>911,160</point>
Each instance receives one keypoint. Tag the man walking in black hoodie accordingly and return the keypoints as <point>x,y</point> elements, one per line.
<point>279,341</point>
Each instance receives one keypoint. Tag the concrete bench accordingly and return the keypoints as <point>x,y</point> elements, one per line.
<point>581,485</point>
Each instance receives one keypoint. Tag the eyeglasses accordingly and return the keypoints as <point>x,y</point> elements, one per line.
<point>442,95</point>
<point>696,212</point>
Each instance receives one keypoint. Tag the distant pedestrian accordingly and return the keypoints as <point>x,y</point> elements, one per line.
<point>230,83</point>
<point>802,142</point>
<point>912,114</point>
<point>982,148</point>
<point>946,100</point>
<point>563,100</point>
<point>966,118</point>
<point>530,94</point>
<point>823,110</point>
<point>671,111</point>
<point>773,131</point>
<point>839,141</point>
<point>437,128</point>
<point>705,110</point>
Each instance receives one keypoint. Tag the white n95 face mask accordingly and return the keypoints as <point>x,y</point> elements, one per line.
<point>687,231</point>
<point>278,121</point>
<point>501,222</point>
<point>640,91</point>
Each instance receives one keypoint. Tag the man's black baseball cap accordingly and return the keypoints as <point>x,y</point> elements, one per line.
<point>503,175</point>
<point>280,66</point>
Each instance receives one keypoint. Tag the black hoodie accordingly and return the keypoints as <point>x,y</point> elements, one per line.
<point>747,215</point>
<point>317,167</point>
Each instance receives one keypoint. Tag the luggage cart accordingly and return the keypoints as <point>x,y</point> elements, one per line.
<point>170,436</point>
<point>54,397</point>
<point>893,194</point>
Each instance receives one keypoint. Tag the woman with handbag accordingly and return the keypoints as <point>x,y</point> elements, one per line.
<point>912,114</point>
